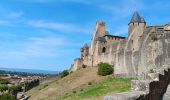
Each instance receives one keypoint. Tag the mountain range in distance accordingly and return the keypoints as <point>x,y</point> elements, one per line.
<point>36,71</point>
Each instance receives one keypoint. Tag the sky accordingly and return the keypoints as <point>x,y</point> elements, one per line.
<point>48,34</point>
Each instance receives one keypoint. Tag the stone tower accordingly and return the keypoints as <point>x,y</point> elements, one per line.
<point>84,51</point>
<point>99,31</point>
<point>136,28</point>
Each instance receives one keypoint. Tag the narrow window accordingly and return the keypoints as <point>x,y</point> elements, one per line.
<point>103,50</point>
<point>132,41</point>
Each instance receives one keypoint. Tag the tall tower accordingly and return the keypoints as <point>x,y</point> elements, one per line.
<point>136,29</point>
<point>99,31</point>
<point>135,22</point>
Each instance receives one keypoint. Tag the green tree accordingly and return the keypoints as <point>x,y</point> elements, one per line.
<point>104,69</point>
<point>14,90</point>
<point>3,88</point>
<point>4,81</point>
<point>64,73</point>
<point>7,96</point>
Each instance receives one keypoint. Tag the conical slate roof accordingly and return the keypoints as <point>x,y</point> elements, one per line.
<point>85,45</point>
<point>143,20</point>
<point>136,18</point>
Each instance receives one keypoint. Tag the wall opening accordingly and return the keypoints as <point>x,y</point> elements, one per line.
<point>103,50</point>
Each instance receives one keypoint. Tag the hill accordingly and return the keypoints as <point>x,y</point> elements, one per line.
<point>84,84</point>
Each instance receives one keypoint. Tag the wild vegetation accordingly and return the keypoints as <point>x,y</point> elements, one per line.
<point>4,81</point>
<point>64,73</point>
<point>110,85</point>
<point>8,92</point>
<point>7,96</point>
<point>84,84</point>
<point>104,69</point>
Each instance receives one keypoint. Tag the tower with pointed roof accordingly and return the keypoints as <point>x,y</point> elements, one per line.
<point>136,21</point>
<point>136,28</point>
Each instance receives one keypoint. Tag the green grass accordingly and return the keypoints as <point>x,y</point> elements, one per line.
<point>40,87</point>
<point>111,85</point>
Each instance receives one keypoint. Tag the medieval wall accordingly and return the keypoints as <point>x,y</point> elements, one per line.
<point>146,47</point>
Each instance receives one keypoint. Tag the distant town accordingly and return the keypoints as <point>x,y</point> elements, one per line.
<point>15,84</point>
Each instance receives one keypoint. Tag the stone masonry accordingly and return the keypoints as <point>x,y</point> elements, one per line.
<point>149,86</point>
<point>145,48</point>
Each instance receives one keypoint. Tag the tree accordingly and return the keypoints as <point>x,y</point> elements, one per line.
<point>4,81</point>
<point>104,69</point>
<point>3,88</point>
<point>14,90</point>
<point>7,96</point>
<point>64,73</point>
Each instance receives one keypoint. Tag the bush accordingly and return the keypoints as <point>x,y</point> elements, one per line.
<point>4,81</point>
<point>154,38</point>
<point>64,73</point>
<point>90,83</point>
<point>84,66</point>
<point>81,90</point>
<point>7,96</point>
<point>3,88</point>
<point>15,88</point>
<point>74,91</point>
<point>104,69</point>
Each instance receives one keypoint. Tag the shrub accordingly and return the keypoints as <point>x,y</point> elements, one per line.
<point>104,69</point>
<point>4,81</point>
<point>7,96</point>
<point>3,88</point>
<point>154,38</point>
<point>15,88</point>
<point>151,71</point>
<point>90,83</point>
<point>74,91</point>
<point>81,90</point>
<point>64,73</point>
<point>84,66</point>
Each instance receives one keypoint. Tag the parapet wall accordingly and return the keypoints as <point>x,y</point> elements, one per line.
<point>149,86</point>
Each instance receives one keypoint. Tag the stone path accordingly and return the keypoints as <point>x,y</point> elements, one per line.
<point>167,94</point>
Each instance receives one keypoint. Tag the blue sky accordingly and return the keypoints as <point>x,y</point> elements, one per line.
<point>47,34</point>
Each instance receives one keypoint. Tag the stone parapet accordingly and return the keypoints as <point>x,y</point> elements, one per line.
<point>150,86</point>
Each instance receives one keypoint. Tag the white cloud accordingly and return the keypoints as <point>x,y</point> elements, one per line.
<point>49,41</point>
<point>3,21</point>
<point>13,15</point>
<point>42,46</point>
<point>6,35</point>
<point>55,1</point>
<point>63,27</point>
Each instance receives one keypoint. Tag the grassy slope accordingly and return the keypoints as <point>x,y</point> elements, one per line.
<point>97,91</point>
<point>75,87</point>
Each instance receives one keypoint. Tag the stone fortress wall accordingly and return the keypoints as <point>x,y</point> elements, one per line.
<point>145,48</point>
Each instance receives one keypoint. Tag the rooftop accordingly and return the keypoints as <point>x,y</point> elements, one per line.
<point>115,36</point>
<point>136,18</point>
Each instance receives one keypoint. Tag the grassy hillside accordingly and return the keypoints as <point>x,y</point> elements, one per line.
<point>97,91</point>
<point>83,84</point>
